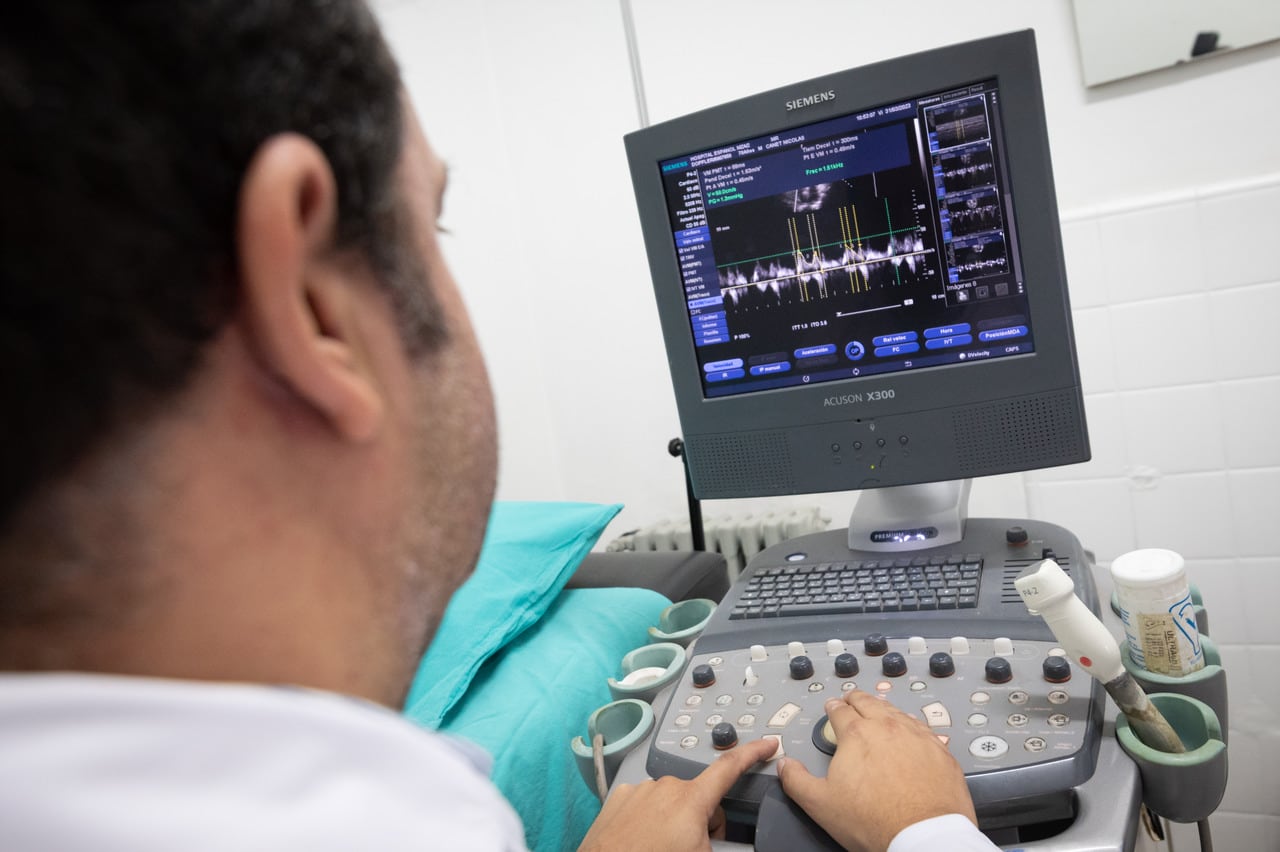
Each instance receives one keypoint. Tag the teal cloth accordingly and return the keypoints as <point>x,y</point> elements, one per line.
<point>530,700</point>
<point>530,551</point>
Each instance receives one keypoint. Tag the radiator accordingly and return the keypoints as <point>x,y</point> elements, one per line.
<point>736,538</point>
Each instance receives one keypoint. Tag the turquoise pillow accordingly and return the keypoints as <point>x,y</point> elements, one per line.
<point>530,551</point>
<point>529,700</point>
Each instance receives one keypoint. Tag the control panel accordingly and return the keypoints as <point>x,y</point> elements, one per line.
<point>996,703</point>
<point>989,680</point>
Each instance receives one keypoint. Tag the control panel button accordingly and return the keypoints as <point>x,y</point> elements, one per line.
<point>795,649</point>
<point>689,742</point>
<point>801,668</point>
<point>941,664</point>
<point>834,647</point>
<point>746,720</point>
<point>846,665</point>
<point>780,752</point>
<point>693,701</point>
<point>988,746</point>
<point>875,644</point>
<point>883,686</point>
<point>916,645</point>
<point>817,686</point>
<point>1035,745</point>
<point>998,670</point>
<point>683,720</point>
<point>724,736</point>
<point>784,715</point>
<point>703,676</point>
<point>1018,696</point>
<point>724,700</point>
<point>1056,669</point>
<point>918,686</point>
<point>1058,697</point>
<point>759,653</point>
<point>894,664</point>
<point>1018,720</point>
<point>755,699</point>
<point>977,720</point>
<point>1002,647</point>
<point>959,645</point>
<point>936,715</point>
<point>980,698</point>
<point>1059,720</point>
<point>749,677</point>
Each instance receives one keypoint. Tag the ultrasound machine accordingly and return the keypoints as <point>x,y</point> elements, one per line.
<point>861,287</point>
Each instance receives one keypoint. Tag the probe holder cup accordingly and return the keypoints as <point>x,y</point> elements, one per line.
<point>1208,684</point>
<point>1183,787</point>
<point>623,725</point>
<point>682,622</point>
<point>664,660</point>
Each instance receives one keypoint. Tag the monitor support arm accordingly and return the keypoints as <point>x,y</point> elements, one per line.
<point>909,517</point>
<point>676,448</point>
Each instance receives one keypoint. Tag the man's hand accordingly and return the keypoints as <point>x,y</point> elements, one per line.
<point>889,772</point>
<point>670,815</point>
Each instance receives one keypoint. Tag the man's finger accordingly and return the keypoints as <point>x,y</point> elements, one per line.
<point>798,782</point>
<point>717,778</point>
<point>870,706</point>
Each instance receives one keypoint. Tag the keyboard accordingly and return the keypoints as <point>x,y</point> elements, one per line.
<point>888,585</point>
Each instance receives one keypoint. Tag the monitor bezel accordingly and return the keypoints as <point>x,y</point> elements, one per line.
<point>1010,60</point>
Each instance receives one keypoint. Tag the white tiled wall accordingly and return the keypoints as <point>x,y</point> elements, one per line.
<point>1177,312</point>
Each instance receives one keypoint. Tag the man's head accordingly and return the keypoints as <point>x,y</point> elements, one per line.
<point>219,285</point>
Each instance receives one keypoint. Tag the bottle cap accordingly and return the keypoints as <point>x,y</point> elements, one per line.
<point>1150,566</point>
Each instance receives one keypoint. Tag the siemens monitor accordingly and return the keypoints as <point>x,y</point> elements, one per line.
<point>860,277</point>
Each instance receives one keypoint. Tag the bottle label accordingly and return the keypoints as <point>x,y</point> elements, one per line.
<point>1170,641</point>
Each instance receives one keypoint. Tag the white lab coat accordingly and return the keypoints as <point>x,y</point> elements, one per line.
<point>105,763</point>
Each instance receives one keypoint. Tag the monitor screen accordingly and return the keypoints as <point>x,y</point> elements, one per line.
<point>869,243</point>
<point>860,277</point>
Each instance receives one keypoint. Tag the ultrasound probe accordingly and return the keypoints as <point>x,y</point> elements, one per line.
<point>1048,591</point>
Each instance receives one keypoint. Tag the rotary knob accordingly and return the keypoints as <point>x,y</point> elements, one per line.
<point>801,668</point>
<point>1016,535</point>
<point>724,736</point>
<point>875,644</point>
<point>846,665</point>
<point>941,665</point>
<point>703,675</point>
<point>1057,669</point>
<point>998,670</point>
<point>894,664</point>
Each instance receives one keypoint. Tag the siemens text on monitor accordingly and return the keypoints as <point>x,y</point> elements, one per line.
<point>860,278</point>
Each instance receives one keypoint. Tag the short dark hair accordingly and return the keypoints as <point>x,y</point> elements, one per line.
<point>125,131</point>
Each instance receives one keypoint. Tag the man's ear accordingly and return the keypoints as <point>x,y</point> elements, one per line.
<point>297,311</point>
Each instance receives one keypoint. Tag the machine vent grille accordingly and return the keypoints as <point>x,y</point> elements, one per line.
<point>1014,567</point>
<point>736,466</point>
<point>1023,433</point>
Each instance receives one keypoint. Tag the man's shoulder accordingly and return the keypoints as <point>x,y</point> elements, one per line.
<point>207,761</point>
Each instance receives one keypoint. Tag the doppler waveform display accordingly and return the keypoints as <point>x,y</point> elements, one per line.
<point>974,212</point>
<point>967,168</point>
<point>979,257</point>
<point>836,240</point>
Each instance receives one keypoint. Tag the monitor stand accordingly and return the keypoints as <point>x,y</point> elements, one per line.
<point>909,517</point>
